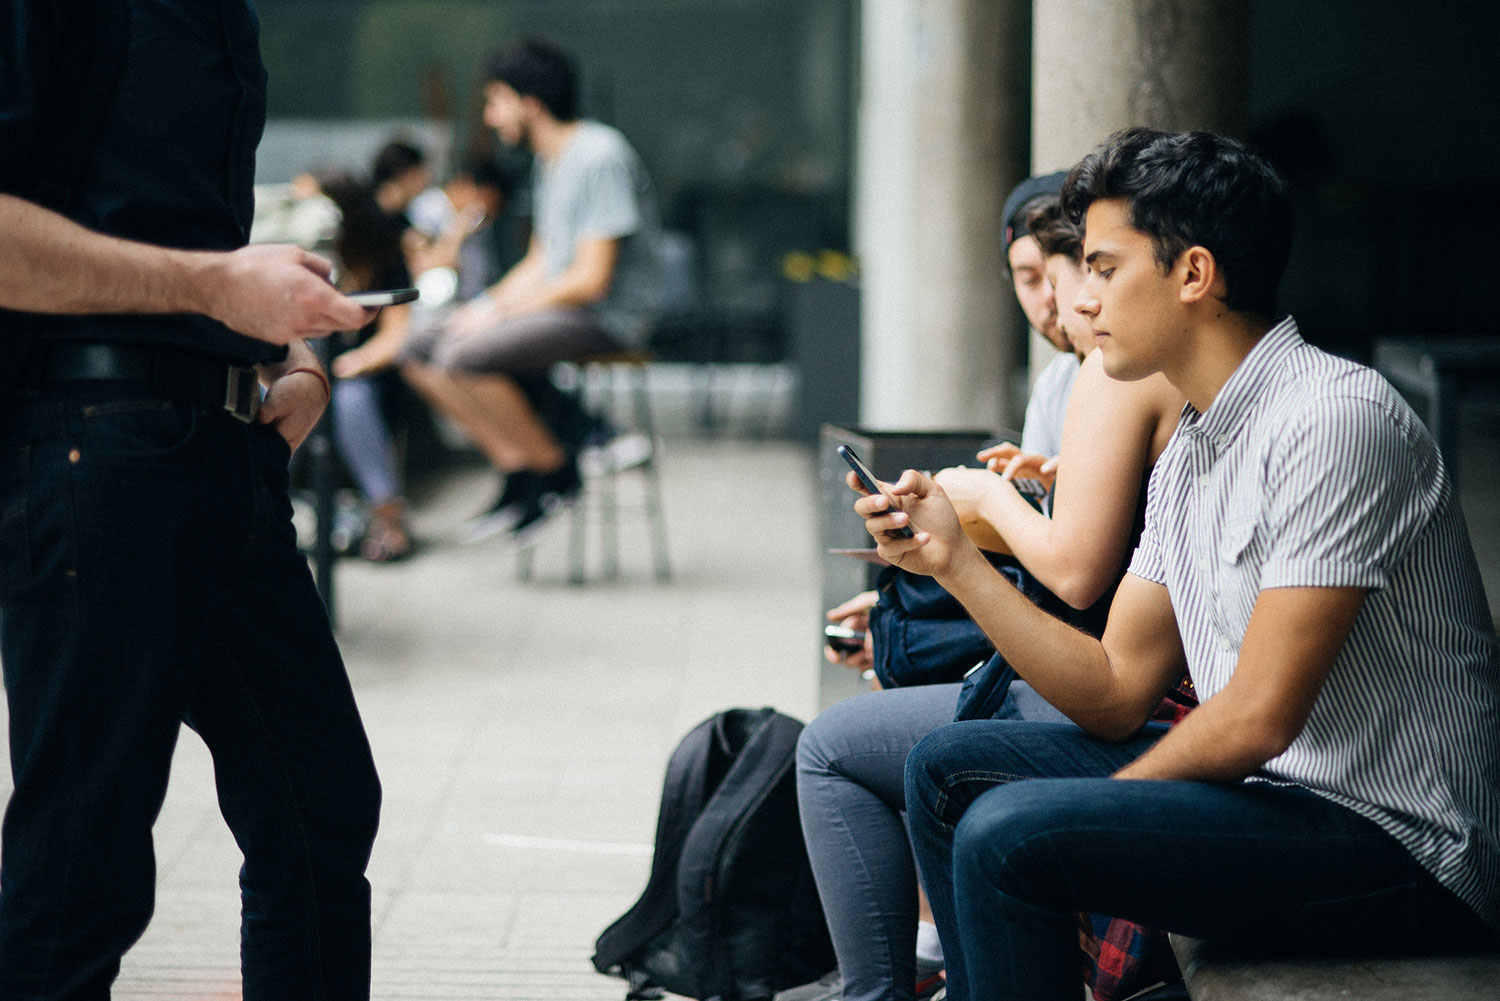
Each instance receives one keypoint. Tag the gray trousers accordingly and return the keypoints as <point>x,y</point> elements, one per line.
<point>851,764</point>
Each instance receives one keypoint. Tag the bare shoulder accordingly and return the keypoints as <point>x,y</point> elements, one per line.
<point>1144,409</point>
<point>1149,398</point>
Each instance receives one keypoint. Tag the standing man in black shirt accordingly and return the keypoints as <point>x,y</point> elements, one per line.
<point>148,572</point>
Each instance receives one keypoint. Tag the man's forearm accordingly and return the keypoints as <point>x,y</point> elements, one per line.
<point>273,293</point>
<point>1207,746</point>
<point>560,293</point>
<point>1067,667</point>
<point>53,265</point>
<point>526,274</point>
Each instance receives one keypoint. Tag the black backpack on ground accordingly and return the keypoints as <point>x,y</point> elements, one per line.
<point>730,911</point>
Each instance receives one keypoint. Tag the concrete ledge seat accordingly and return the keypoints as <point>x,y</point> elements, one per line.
<point>1214,972</point>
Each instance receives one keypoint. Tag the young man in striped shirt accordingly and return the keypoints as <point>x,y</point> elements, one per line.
<point>1304,557</point>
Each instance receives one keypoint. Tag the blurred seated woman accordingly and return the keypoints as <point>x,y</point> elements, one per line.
<point>368,248</point>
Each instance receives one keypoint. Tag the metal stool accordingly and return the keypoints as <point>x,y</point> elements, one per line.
<point>597,383</point>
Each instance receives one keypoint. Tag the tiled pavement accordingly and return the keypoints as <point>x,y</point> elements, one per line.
<point>521,730</point>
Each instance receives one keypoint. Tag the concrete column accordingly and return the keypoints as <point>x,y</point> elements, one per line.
<point>1103,65</point>
<point>941,140</point>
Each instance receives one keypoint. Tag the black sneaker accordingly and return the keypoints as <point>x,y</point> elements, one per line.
<point>521,489</point>
<point>556,491</point>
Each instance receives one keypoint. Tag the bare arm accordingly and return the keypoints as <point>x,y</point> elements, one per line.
<point>527,289</point>
<point>272,293</point>
<point>524,276</point>
<point>1294,636</point>
<point>1112,433</point>
<point>584,282</point>
<point>381,349</point>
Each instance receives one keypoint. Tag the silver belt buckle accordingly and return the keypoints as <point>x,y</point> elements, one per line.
<point>242,393</point>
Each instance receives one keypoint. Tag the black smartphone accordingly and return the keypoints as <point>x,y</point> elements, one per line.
<point>843,639</point>
<point>1035,491</point>
<point>386,297</point>
<point>867,478</point>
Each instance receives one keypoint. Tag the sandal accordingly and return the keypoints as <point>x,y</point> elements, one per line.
<point>387,538</point>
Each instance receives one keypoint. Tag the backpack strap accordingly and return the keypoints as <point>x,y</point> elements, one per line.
<point>683,793</point>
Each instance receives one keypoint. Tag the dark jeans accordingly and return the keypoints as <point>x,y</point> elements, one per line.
<point>149,577</point>
<point>1008,863</point>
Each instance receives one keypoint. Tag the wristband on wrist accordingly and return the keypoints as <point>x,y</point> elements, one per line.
<point>313,370</point>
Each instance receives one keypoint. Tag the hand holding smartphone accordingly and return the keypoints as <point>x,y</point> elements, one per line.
<point>843,639</point>
<point>868,481</point>
<point>385,297</point>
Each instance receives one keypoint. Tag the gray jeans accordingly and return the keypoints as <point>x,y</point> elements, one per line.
<point>851,763</point>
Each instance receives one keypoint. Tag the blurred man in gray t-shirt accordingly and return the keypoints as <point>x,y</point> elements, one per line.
<point>587,286</point>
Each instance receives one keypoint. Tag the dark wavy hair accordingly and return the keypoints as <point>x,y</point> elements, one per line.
<point>535,67</point>
<point>1189,189</point>
<point>394,159</point>
<point>367,244</point>
<point>1054,231</point>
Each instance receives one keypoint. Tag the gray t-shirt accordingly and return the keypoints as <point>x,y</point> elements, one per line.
<point>598,188</point>
<point>1042,433</point>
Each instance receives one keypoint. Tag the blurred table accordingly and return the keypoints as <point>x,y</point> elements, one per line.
<point>1442,371</point>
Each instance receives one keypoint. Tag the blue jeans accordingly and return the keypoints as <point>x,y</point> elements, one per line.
<point>1008,863</point>
<point>364,439</point>
<point>149,577</point>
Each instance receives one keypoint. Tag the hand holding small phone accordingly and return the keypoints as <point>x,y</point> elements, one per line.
<point>384,297</point>
<point>843,639</point>
<point>868,481</point>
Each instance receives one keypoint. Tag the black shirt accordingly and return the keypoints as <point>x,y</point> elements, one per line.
<point>174,163</point>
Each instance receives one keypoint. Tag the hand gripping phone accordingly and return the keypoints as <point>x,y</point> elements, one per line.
<point>387,297</point>
<point>844,639</point>
<point>867,480</point>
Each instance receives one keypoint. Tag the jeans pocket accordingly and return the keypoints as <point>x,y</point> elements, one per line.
<point>135,430</point>
<point>15,539</point>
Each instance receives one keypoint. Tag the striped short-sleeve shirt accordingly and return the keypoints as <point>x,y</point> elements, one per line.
<point>1310,471</point>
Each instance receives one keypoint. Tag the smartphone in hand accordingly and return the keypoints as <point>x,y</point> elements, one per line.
<point>1035,491</point>
<point>385,297</point>
<point>843,639</point>
<point>867,479</point>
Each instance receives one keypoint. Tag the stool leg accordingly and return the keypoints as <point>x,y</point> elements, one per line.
<point>652,476</point>
<point>579,516</point>
<point>575,540</point>
<point>609,535</point>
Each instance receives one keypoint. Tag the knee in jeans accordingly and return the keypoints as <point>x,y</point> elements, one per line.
<point>813,752</point>
<point>1016,836</point>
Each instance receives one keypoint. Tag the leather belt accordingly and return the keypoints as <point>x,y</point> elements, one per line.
<point>175,374</point>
